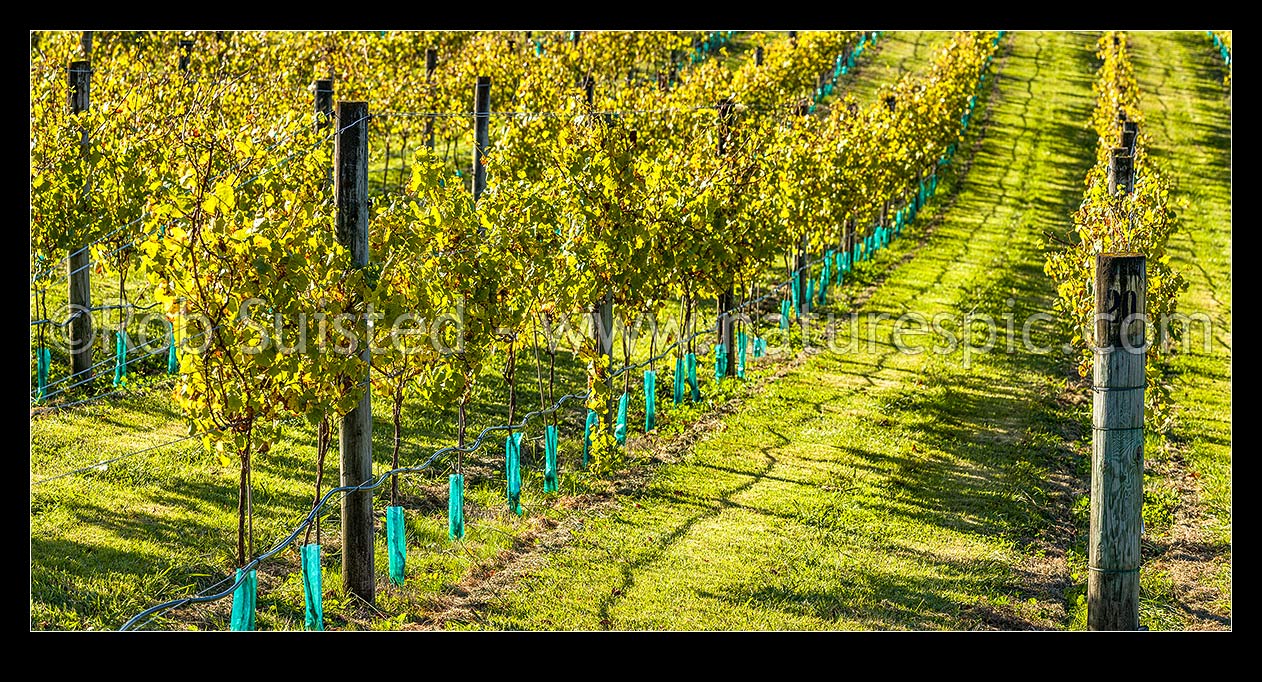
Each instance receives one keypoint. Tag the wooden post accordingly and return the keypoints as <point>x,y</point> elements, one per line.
<point>324,101</point>
<point>1130,130</point>
<point>324,105</point>
<point>85,41</point>
<point>758,56</point>
<point>1121,171</point>
<point>1117,448</point>
<point>574,35</point>
<point>186,51</point>
<point>727,337</point>
<point>431,62</point>
<point>802,262</point>
<point>847,238</point>
<point>803,265</point>
<point>481,121</point>
<point>793,38</point>
<point>727,299</point>
<point>602,309</point>
<point>80,280</point>
<point>605,313</point>
<point>350,157</point>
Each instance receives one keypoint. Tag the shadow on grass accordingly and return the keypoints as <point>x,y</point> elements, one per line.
<point>999,438</point>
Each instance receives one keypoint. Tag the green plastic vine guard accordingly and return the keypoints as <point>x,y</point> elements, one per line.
<point>120,358</point>
<point>42,361</point>
<point>742,342</point>
<point>720,361</point>
<point>512,467</point>
<point>650,400</point>
<point>550,479</point>
<point>396,545</point>
<point>691,361</point>
<point>784,313</point>
<point>455,506</point>
<point>620,427</point>
<point>243,602</point>
<point>312,587</point>
<point>592,420</point>
<point>810,288</point>
<point>679,381</point>
<point>173,359</point>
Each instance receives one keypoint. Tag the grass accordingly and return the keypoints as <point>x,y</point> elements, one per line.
<point>1188,113</point>
<point>872,489</point>
<point>1190,122</point>
<point>897,52</point>
<point>160,523</point>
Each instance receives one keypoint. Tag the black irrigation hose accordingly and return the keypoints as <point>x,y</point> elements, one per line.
<point>202,597</point>
<point>310,517</point>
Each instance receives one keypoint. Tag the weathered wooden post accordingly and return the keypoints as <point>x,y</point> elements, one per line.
<point>802,263</point>
<point>481,122</point>
<point>186,52</point>
<point>727,297</point>
<point>1130,130</point>
<point>758,56</point>
<point>1117,453</point>
<point>431,62</point>
<point>1121,172</point>
<point>324,107</point>
<point>602,311</point>
<point>324,101</point>
<point>80,281</point>
<point>350,157</point>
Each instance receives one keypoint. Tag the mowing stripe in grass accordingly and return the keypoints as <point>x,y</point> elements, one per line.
<point>1189,489</point>
<point>873,489</point>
